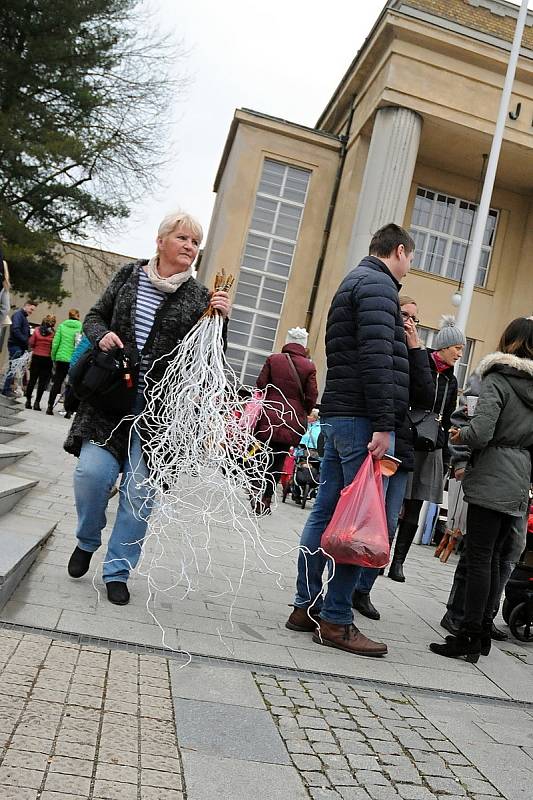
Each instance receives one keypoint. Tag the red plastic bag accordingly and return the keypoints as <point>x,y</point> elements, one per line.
<point>357,532</point>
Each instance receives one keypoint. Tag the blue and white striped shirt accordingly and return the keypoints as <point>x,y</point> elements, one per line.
<point>148,301</point>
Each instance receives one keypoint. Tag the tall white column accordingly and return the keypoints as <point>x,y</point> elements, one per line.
<point>387,178</point>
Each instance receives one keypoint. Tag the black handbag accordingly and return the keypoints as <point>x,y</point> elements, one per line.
<point>104,380</point>
<point>426,424</point>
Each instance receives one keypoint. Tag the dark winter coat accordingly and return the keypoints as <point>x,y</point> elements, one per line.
<point>284,421</point>
<point>500,436</point>
<point>368,367</point>
<point>115,311</point>
<point>443,380</point>
<point>421,395</point>
<point>19,332</point>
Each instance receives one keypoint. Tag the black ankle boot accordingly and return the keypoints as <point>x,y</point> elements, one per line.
<point>396,571</point>
<point>362,603</point>
<point>28,402</point>
<point>404,540</point>
<point>36,406</point>
<point>462,646</point>
<point>50,411</point>
<point>117,593</point>
<point>79,563</point>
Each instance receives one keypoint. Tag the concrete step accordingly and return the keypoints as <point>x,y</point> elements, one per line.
<point>8,434</point>
<point>11,410</point>
<point>9,455</point>
<point>9,402</point>
<point>21,539</point>
<point>7,419</point>
<point>12,489</point>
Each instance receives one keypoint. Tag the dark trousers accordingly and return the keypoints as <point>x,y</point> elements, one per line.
<point>487,531</point>
<point>40,372</point>
<point>275,467</point>
<point>60,373</point>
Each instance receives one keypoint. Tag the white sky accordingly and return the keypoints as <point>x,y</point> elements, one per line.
<point>280,57</point>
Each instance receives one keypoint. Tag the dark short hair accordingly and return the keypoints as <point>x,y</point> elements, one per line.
<point>517,338</point>
<point>388,238</point>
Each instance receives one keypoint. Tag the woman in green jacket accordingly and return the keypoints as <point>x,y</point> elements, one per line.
<point>63,347</point>
<point>496,481</point>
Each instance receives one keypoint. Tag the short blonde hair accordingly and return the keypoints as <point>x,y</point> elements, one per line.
<point>176,219</point>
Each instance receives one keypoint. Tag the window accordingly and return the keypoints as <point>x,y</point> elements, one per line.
<point>265,267</point>
<point>463,370</point>
<point>441,226</point>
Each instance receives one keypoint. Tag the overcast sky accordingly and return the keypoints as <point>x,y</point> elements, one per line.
<point>280,57</point>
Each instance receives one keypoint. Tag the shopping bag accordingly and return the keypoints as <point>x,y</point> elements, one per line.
<point>252,411</point>
<point>357,532</point>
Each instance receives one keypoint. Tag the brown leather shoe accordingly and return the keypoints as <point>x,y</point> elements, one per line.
<point>349,638</point>
<point>299,621</point>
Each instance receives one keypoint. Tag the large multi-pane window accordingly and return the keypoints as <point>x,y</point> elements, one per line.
<point>441,226</point>
<point>427,336</point>
<point>266,265</point>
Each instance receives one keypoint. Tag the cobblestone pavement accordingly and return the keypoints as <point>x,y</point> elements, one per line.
<point>79,722</point>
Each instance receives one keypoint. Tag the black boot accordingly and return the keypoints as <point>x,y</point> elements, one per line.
<point>117,593</point>
<point>464,645</point>
<point>404,540</point>
<point>79,563</point>
<point>362,603</point>
<point>36,406</point>
<point>50,411</point>
<point>497,635</point>
<point>28,402</point>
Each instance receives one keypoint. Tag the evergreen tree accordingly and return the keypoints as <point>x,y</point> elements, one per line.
<point>85,88</point>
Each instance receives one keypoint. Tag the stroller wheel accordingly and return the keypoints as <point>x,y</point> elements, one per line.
<point>506,610</point>
<point>521,623</point>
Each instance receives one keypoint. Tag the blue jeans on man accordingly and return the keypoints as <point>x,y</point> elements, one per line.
<point>346,447</point>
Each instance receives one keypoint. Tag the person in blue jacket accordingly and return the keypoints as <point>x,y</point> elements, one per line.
<point>19,335</point>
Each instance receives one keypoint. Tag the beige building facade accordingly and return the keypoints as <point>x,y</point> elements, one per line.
<point>404,138</point>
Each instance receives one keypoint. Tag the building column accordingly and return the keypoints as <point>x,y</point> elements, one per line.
<point>387,178</point>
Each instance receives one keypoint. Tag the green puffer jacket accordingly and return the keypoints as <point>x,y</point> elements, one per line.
<point>64,342</point>
<point>500,436</point>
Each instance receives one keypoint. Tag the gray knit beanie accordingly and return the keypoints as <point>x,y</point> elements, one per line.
<point>449,334</point>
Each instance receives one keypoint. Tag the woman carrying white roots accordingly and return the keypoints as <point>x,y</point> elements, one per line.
<point>148,307</point>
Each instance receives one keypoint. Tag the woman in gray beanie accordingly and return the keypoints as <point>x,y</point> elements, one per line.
<point>427,480</point>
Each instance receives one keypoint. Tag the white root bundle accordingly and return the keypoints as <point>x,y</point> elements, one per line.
<point>17,367</point>
<point>205,470</point>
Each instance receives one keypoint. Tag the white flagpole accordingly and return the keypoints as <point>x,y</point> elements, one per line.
<point>474,252</point>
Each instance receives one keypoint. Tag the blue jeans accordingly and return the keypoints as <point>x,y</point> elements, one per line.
<point>394,496</point>
<point>94,478</point>
<point>14,352</point>
<point>346,447</point>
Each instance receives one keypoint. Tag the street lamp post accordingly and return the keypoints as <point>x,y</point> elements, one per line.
<point>474,252</point>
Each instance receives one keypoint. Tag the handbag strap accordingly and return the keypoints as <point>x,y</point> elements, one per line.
<point>443,397</point>
<point>297,377</point>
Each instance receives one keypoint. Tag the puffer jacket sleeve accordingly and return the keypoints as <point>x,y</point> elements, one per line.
<point>311,391</point>
<point>98,319</point>
<point>56,343</point>
<point>377,305</point>
<point>264,377</point>
<point>421,379</point>
<point>480,430</point>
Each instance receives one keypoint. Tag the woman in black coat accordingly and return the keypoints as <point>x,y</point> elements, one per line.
<point>148,307</point>
<point>427,479</point>
<point>421,394</point>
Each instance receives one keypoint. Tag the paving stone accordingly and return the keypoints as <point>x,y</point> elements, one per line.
<point>324,794</point>
<point>445,785</point>
<point>315,779</point>
<point>107,790</point>
<point>304,762</point>
<point>341,777</point>
<point>410,792</point>
<point>160,778</point>
<point>16,776</point>
<point>71,766</point>
<point>353,793</point>
<point>116,773</point>
<point>58,782</point>
<point>296,746</point>
<point>407,774</point>
<point>378,792</point>
<point>367,777</point>
<point>479,786</point>
<point>19,793</point>
<point>362,762</point>
<point>325,747</point>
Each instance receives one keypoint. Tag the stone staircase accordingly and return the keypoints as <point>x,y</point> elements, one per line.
<point>21,534</point>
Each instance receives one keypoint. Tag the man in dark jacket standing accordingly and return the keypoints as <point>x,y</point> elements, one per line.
<point>19,335</point>
<point>364,401</point>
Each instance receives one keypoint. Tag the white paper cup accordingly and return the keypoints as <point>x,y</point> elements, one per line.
<point>471,403</point>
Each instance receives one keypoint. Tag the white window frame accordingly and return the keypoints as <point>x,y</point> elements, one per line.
<point>450,239</point>
<point>245,350</point>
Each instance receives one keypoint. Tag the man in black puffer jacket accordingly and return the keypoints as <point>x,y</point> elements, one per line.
<point>365,400</point>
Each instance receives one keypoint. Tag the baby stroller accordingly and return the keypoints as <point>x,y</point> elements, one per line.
<point>517,608</point>
<point>303,484</point>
